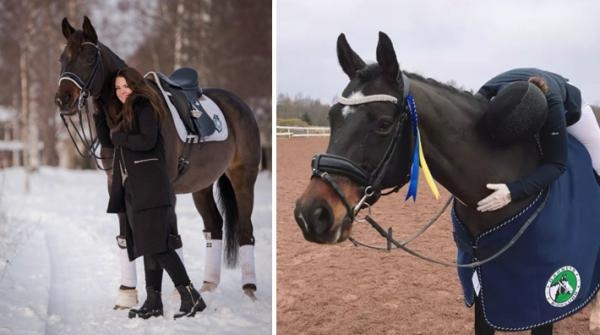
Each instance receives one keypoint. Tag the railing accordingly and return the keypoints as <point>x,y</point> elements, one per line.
<point>302,131</point>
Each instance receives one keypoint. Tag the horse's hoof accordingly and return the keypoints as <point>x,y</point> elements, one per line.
<point>249,290</point>
<point>208,287</point>
<point>126,299</point>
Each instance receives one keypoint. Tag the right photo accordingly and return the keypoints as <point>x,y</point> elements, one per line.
<point>437,167</point>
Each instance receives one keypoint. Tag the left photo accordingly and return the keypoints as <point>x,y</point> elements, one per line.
<point>135,164</point>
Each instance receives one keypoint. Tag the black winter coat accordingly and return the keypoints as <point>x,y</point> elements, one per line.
<point>146,196</point>
<point>141,152</point>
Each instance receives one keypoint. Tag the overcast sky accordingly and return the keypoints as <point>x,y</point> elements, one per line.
<point>466,41</point>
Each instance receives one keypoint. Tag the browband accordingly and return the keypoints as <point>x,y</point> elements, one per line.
<point>375,97</point>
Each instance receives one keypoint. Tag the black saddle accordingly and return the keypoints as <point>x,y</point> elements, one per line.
<point>185,79</point>
<point>185,93</point>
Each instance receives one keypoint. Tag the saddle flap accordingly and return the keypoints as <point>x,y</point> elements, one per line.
<point>185,101</point>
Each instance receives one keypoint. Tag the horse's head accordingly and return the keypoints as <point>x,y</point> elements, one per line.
<point>81,67</point>
<point>368,149</point>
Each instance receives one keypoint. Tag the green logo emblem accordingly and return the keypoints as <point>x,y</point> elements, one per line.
<point>563,286</point>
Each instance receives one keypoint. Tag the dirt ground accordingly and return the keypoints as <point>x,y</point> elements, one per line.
<point>343,289</point>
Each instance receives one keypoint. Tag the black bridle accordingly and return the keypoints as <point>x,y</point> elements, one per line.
<point>90,143</point>
<point>325,165</point>
<point>84,86</point>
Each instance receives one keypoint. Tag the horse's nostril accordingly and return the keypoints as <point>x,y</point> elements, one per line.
<point>321,219</point>
<point>58,102</point>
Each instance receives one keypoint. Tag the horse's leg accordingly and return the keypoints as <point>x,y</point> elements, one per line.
<point>543,330</point>
<point>243,179</point>
<point>481,327</point>
<point>213,232</point>
<point>595,315</point>
<point>127,295</point>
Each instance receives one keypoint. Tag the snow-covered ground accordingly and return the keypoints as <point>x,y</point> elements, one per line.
<point>59,270</point>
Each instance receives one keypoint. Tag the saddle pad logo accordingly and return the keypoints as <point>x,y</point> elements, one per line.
<point>218,123</point>
<point>563,286</point>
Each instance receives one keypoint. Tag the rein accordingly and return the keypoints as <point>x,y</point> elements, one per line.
<point>402,244</point>
<point>90,143</point>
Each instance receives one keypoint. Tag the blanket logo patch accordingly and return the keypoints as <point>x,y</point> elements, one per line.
<point>563,286</point>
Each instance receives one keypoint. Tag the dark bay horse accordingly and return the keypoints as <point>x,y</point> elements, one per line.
<point>372,142</point>
<point>234,162</point>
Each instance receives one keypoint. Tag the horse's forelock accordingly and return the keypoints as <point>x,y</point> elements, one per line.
<point>370,72</point>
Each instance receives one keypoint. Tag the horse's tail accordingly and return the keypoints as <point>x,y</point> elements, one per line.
<point>228,205</point>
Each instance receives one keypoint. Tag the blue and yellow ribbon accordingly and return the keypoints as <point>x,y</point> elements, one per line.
<point>418,157</point>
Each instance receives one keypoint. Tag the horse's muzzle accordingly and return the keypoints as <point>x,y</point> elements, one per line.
<point>316,221</point>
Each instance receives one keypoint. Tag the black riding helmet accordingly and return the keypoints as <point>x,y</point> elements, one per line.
<point>516,113</point>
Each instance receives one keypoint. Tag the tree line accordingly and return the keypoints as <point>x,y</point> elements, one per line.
<point>227,41</point>
<point>301,111</point>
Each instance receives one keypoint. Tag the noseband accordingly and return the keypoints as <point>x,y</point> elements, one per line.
<point>324,165</point>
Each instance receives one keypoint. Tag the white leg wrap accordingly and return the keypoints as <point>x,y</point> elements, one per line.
<point>595,314</point>
<point>587,131</point>
<point>212,266</point>
<point>247,263</point>
<point>126,299</point>
<point>128,271</point>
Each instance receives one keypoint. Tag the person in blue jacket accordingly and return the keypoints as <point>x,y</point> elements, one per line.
<point>566,112</point>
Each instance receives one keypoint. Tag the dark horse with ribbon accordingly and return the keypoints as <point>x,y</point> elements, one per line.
<point>86,68</point>
<point>388,123</point>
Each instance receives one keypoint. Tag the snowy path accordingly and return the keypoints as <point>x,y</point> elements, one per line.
<point>59,267</point>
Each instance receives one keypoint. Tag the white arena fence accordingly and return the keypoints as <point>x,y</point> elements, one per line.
<point>302,131</point>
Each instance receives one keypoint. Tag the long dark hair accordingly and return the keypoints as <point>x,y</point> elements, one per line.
<point>121,114</point>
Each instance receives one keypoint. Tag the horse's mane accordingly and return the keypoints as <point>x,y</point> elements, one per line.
<point>120,63</point>
<point>433,82</point>
<point>373,71</point>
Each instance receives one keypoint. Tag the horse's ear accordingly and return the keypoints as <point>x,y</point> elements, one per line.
<point>349,60</point>
<point>386,57</point>
<point>67,28</point>
<point>89,30</point>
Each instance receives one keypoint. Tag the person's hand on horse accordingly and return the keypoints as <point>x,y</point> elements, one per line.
<point>498,199</point>
<point>117,136</point>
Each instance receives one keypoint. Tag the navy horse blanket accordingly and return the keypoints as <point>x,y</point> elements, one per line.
<point>552,271</point>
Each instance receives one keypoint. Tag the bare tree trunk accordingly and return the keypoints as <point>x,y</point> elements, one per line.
<point>178,56</point>
<point>24,111</point>
<point>33,132</point>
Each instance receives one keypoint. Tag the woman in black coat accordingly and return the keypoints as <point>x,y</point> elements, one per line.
<point>142,190</point>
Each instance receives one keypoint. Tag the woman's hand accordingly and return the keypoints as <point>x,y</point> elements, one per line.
<point>498,199</point>
<point>117,136</point>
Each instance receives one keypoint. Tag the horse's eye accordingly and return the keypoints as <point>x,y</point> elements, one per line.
<point>90,59</point>
<point>384,125</point>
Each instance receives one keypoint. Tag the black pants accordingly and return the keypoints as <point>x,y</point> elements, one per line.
<point>169,261</point>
